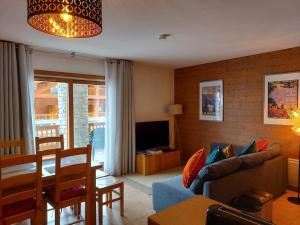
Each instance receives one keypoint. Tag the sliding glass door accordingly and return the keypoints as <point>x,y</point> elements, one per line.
<point>73,108</point>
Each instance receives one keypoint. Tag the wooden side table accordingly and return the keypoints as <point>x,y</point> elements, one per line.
<point>107,186</point>
<point>191,212</point>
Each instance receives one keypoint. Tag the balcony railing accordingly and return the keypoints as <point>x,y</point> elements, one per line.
<point>47,116</point>
<point>93,126</point>
<point>53,131</point>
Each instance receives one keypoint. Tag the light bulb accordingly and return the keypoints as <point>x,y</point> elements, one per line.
<point>66,17</point>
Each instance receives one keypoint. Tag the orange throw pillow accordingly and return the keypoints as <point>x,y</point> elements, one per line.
<point>192,167</point>
<point>261,145</point>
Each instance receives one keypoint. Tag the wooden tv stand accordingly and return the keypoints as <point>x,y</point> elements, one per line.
<point>150,164</point>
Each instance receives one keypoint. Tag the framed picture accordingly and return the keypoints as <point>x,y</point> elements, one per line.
<point>211,100</point>
<point>280,97</point>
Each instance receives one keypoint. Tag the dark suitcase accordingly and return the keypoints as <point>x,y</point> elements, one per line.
<point>220,215</point>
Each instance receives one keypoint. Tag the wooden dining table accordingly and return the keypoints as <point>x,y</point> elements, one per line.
<point>48,177</point>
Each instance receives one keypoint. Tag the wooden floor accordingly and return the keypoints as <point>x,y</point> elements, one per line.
<point>284,212</point>
<point>138,206</point>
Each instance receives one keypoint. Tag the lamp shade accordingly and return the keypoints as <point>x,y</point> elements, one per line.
<point>175,109</point>
<point>66,18</point>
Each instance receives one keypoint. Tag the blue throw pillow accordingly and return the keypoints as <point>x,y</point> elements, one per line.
<point>215,156</point>
<point>249,148</point>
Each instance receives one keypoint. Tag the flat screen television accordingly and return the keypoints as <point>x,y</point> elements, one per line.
<point>150,135</point>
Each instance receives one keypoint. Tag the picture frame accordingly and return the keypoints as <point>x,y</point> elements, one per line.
<point>211,100</point>
<point>281,95</point>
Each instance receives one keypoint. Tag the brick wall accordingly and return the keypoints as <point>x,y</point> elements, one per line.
<point>243,102</point>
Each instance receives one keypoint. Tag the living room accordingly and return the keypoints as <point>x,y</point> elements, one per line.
<point>187,112</point>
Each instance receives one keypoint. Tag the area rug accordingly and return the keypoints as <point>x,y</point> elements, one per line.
<point>144,183</point>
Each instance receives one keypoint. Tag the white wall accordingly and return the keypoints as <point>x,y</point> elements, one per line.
<point>154,91</point>
<point>67,63</point>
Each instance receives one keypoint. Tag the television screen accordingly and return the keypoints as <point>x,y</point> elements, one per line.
<point>151,135</point>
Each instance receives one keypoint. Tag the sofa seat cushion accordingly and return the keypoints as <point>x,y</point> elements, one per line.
<point>65,194</point>
<point>192,167</point>
<point>18,207</point>
<point>215,171</point>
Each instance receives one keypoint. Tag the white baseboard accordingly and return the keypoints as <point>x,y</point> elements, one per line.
<point>293,172</point>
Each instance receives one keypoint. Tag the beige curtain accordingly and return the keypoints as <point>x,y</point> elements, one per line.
<point>16,96</point>
<point>119,124</point>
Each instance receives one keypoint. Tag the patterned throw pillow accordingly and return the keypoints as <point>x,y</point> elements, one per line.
<point>192,167</point>
<point>215,156</point>
<point>249,148</point>
<point>228,151</point>
<point>261,145</point>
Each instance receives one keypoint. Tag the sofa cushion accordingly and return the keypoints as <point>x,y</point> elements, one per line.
<point>254,159</point>
<point>261,145</point>
<point>215,156</point>
<point>192,167</point>
<point>249,148</point>
<point>215,171</point>
<point>228,151</point>
<point>275,150</point>
<point>236,149</point>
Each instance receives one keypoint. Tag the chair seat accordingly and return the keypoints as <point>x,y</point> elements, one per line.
<point>107,182</point>
<point>66,194</point>
<point>18,207</point>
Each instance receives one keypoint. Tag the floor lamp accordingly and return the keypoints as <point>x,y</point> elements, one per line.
<point>296,128</point>
<point>175,109</point>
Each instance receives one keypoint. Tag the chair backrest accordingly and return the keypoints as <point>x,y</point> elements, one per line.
<point>12,147</point>
<point>48,141</point>
<point>20,185</point>
<point>72,169</point>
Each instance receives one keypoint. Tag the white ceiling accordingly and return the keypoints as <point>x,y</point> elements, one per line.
<point>202,30</point>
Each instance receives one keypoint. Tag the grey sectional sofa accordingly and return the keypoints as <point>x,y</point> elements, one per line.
<point>266,171</point>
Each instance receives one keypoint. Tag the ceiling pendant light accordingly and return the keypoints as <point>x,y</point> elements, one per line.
<point>66,18</point>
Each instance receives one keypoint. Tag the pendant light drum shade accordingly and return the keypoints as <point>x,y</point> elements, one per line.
<point>66,18</point>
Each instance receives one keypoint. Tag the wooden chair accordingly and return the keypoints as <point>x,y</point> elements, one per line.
<point>24,200</point>
<point>48,141</point>
<point>13,144</point>
<point>72,182</point>
<point>107,186</point>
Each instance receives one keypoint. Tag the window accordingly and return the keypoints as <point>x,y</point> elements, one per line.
<point>72,107</point>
